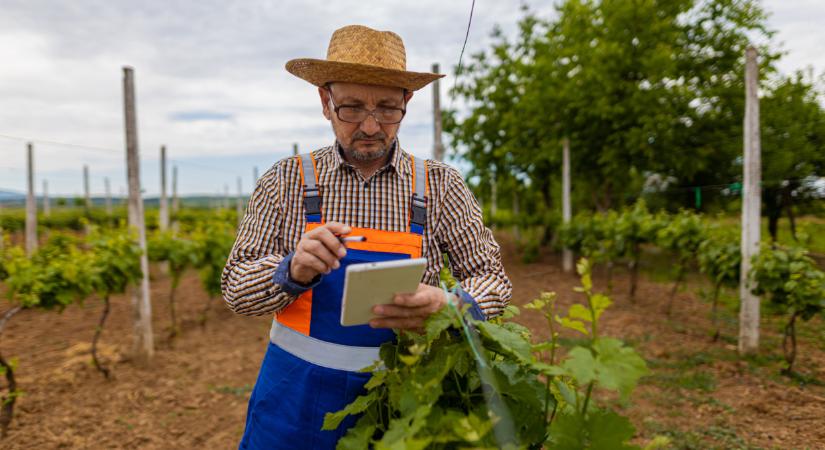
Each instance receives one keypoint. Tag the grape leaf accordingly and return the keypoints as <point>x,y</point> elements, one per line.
<point>359,405</point>
<point>507,341</point>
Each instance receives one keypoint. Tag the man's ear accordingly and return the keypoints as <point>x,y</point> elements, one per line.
<point>407,96</point>
<point>324,94</point>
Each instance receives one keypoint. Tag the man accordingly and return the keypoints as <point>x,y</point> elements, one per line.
<point>288,258</point>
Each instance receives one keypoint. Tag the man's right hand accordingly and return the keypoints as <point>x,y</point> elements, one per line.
<point>318,252</point>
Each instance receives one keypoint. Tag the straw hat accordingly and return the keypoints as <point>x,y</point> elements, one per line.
<point>358,54</point>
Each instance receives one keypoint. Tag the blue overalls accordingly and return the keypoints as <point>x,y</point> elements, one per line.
<point>312,361</point>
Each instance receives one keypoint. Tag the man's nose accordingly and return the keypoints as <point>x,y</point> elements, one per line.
<point>370,126</point>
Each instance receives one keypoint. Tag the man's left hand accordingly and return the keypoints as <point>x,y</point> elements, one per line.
<point>409,311</point>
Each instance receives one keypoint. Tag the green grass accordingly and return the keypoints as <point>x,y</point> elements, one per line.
<point>238,391</point>
<point>683,371</point>
<point>711,437</point>
<point>691,380</point>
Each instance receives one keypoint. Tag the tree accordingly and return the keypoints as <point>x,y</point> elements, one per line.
<point>793,147</point>
<point>639,88</point>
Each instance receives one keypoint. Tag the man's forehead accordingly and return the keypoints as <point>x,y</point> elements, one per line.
<point>356,91</point>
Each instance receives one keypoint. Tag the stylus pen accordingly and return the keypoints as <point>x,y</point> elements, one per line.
<point>352,238</point>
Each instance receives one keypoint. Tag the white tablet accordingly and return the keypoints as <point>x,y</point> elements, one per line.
<point>375,283</point>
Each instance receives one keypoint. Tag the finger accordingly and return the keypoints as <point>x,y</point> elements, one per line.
<point>401,324</point>
<point>337,228</point>
<point>317,249</point>
<point>421,298</point>
<point>332,243</point>
<point>314,263</point>
<point>392,311</point>
<point>401,297</point>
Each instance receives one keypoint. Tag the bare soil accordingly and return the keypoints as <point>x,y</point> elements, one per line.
<point>194,395</point>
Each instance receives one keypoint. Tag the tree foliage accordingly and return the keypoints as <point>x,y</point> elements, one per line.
<point>640,88</point>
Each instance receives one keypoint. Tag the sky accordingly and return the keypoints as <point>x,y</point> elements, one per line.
<point>211,84</point>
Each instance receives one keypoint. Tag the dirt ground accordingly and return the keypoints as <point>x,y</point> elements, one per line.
<point>194,395</point>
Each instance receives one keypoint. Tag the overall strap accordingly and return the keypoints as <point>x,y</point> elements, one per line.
<point>312,199</point>
<point>418,203</point>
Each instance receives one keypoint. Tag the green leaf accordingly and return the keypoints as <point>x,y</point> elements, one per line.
<point>403,430</point>
<point>471,428</point>
<point>409,359</point>
<point>358,437</point>
<point>600,303</point>
<point>615,367</point>
<point>573,325</point>
<point>542,346</point>
<point>581,365</point>
<point>359,405</point>
<point>618,367</point>
<point>377,379</point>
<point>579,311</point>
<point>437,323</point>
<point>601,430</point>
<point>608,431</point>
<point>567,393</point>
<point>507,341</point>
<point>535,304</point>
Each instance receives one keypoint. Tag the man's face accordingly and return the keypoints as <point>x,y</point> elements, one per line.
<point>367,140</point>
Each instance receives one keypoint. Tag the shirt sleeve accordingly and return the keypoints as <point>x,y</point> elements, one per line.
<point>249,278</point>
<point>475,256</point>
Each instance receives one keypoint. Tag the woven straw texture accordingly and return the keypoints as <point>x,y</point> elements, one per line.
<point>358,54</point>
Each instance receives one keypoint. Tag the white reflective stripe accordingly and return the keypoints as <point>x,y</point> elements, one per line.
<point>309,170</point>
<point>322,353</point>
<point>420,179</point>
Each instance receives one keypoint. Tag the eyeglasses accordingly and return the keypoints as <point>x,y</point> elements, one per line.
<point>355,114</point>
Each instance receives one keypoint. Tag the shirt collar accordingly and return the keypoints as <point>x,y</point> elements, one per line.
<point>396,162</point>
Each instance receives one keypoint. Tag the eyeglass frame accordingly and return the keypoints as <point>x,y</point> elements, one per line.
<point>336,108</point>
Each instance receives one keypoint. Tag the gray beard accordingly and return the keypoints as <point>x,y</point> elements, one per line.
<point>354,155</point>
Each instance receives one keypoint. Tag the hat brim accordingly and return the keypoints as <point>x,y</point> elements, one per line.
<point>320,72</point>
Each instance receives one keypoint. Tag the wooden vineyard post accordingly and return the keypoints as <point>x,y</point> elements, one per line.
<point>239,203</point>
<point>143,344</point>
<point>751,200</point>
<point>163,205</point>
<point>31,206</point>
<point>566,210</point>
<point>254,176</point>
<point>438,146</point>
<point>47,207</point>
<point>87,199</point>
<point>108,187</point>
<point>163,215</point>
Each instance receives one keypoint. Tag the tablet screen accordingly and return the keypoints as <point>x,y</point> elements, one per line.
<point>375,283</point>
